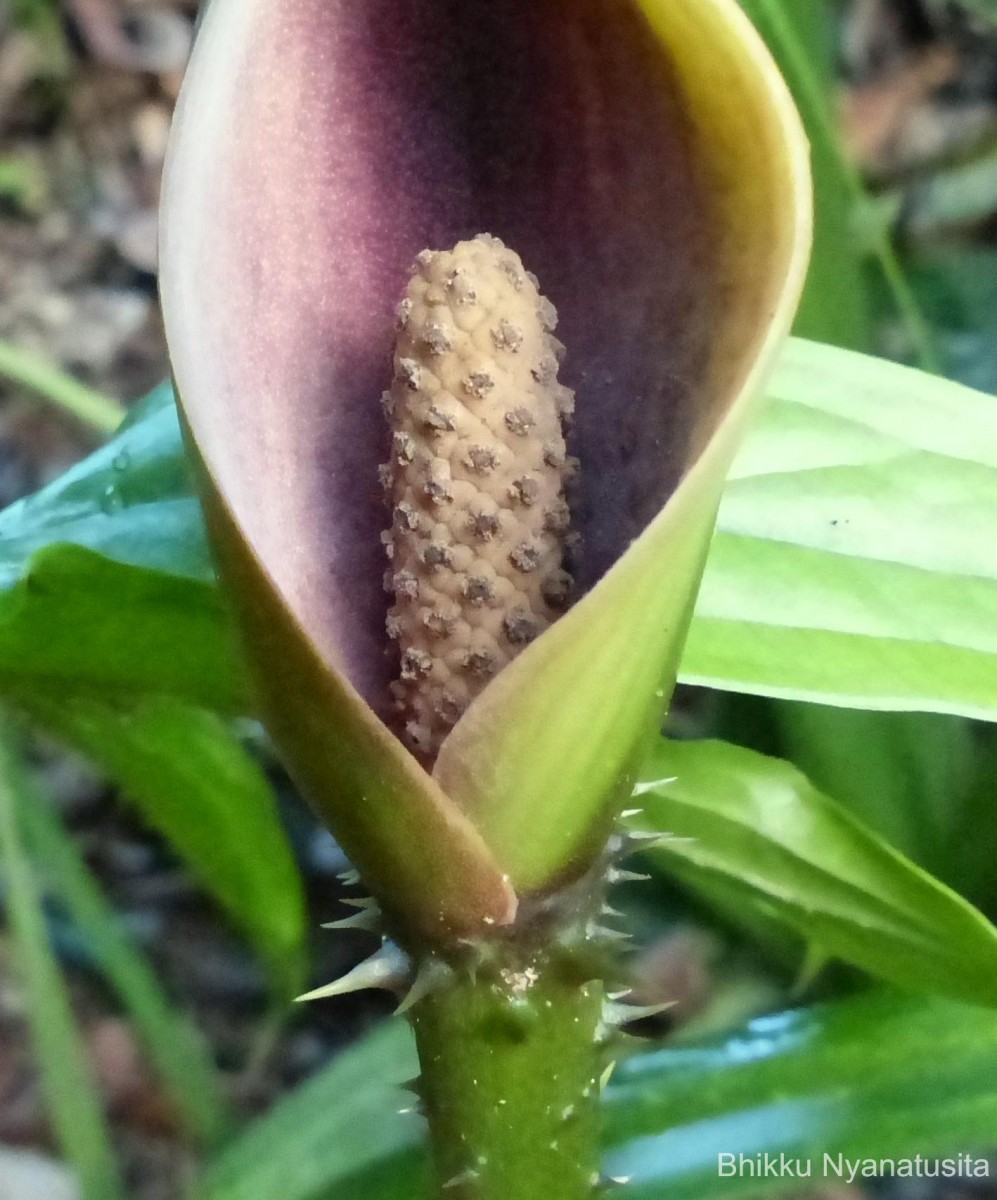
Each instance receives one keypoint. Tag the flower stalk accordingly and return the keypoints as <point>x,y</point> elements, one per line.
<point>511,1077</point>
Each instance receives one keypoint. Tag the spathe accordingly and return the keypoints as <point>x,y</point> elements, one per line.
<point>645,161</point>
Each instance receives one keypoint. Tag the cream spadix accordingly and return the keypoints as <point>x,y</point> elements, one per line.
<point>476,480</point>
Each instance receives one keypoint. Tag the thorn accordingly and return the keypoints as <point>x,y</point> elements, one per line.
<point>610,935</point>
<point>618,875</point>
<point>349,878</point>
<point>607,910</point>
<point>428,977</point>
<point>388,968</point>
<point>630,812</point>
<point>468,1176</point>
<point>636,841</point>
<point>361,902</point>
<point>617,1015</point>
<point>368,919</point>
<point>480,953</point>
<point>645,835</point>
<point>652,785</point>
<point>606,1076</point>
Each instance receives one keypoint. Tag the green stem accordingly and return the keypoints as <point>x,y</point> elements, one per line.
<point>511,1078</point>
<point>91,407</point>
<point>821,125</point>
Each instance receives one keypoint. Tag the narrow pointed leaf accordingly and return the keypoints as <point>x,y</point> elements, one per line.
<point>174,1047</point>
<point>757,828</point>
<point>67,1079</point>
<point>194,783</point>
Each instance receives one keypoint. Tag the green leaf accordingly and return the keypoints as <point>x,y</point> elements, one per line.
<point>194,782</point>
<point>108,612</point>
<point>905,775</point>
<point>70,1089</point>
<point>131,500</point>
<point>876,1077</point>
<point>77,622</point>
<point>174,1046</point>
<point>880,1075</point>
<point>341,1122</point>
<point>854,561</point>
<point>758,828</point>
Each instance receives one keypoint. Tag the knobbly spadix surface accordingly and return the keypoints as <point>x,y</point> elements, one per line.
<point>475,478</point>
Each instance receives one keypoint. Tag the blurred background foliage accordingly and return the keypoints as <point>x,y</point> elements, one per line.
<point>163,885</point>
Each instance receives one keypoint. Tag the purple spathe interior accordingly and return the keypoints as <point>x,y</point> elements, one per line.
<point>356,133</point>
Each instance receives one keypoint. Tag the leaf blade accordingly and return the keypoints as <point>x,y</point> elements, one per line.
<point>194,782</point>
<point>71,1092</point>
<point>77,621</point>
<point>759,828</point>
<point>851,564</point>
<point>173,1045</point>
<point>341,1122</point>
<point>879,1076</point>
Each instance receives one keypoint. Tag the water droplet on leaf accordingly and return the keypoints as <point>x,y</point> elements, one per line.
<point>111,500</point>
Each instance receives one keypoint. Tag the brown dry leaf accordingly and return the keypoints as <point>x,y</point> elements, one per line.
<point>131,1093</point>
<point>877,116</point>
